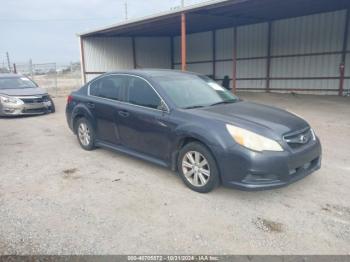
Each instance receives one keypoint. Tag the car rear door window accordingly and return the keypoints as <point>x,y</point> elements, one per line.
<point>109,87</point>
<point>140,93</point>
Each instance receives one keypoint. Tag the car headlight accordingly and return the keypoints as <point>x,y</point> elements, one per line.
<point>313,134</point>
<point>10,100</point>
<point>252,140</point>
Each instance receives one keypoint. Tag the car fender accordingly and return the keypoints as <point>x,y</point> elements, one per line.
<point>213,138</point>
<point>82,110</point>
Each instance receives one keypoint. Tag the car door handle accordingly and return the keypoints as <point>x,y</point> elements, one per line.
<point>90,105</point>
<point>123,113</point>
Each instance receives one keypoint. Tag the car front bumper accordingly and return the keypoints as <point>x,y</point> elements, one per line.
<point>244,169</point>
<point>25,109</point>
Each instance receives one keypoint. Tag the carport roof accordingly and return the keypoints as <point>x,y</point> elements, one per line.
<point>218,14</point>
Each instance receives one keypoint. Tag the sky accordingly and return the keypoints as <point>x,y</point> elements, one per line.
<point>45,30</point>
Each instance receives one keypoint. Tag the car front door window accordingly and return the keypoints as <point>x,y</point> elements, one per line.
<point>140,93</point>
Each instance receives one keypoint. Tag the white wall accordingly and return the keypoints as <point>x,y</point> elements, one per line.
<point>105,54</point>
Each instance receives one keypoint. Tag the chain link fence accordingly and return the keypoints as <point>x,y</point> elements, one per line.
<point>57,80</point>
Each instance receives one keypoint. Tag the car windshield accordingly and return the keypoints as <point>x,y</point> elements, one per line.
<point>16,83</point>
<point>191,91</point>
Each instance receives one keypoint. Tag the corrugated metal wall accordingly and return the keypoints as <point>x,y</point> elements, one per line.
<point>321,33</point>
<point>107,54</point>
<point>153,52</point>
<point>104,54</point>
<point>305,53</point>
<point>199,49</point>
<point>251,43</point>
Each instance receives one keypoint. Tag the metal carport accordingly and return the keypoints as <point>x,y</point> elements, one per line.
<point>268,45</point>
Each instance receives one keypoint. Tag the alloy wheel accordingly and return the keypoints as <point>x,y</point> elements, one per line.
<point>84,134</point>
<point>196,168</point>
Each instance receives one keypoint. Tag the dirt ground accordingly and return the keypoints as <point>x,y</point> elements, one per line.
<point>56,198</point>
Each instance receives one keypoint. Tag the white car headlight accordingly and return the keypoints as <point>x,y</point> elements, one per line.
<point>313,134</point>
<point>252,140</point>
<point>10,100</point>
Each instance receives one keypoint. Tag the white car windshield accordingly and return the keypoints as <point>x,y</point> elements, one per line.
<point>16,83</point>
<point>191,91</point>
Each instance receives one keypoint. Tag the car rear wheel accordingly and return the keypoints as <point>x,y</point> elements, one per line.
<point>85,134</point>
<point>197,168</point>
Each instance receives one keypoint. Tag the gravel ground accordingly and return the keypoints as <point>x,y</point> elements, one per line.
<point>56,198</point>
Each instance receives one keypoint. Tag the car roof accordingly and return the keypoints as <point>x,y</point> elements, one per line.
<point>10,75</point>
<point>153,72</point>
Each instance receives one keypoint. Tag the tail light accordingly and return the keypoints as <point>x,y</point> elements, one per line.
<point>69,99</point>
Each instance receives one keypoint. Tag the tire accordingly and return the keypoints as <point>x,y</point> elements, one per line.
<point>85,134</point>
<point>52,107</point>
<point>199,175</point>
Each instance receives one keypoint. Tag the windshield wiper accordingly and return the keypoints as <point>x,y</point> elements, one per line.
<point>193,107</point>
<point>224,102</point>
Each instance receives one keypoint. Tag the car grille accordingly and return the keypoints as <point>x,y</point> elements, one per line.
<point>35,111</point>
<point>299,138</point>
<point>35,99</point>
<point>305,168</point>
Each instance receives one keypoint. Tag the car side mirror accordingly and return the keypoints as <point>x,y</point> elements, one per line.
<point>163,106</point>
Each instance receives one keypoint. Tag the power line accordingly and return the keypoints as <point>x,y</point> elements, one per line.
<point>126,9</point>
<point>53,20</point>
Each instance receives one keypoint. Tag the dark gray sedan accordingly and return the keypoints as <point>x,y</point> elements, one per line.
<point>191,124</point>
<point>21,96</point>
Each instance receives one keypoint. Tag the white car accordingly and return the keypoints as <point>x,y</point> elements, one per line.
<point>19,95</point>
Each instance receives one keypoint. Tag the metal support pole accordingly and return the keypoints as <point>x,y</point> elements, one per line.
<point>82,59</point>
<point>183,42</point>
<point>8,61</point>
<point>172,52</point>
<point>14,68</point>
<point>55,79</point>
<point>343,56</point>
<point>31,71</point>
<point>234,61</point>
<point>134,52</point>
<point>268,59</point>
<point>214,54</point>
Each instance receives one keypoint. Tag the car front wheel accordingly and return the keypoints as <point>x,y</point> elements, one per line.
<point>52,107</point>
<point>197,168</point>
<point>85,134</point>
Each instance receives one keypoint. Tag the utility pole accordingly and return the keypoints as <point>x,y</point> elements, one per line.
<point>182,3</point>
<point>126,9</point>
<point>8,61</point>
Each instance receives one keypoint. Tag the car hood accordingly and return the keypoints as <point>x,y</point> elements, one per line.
<point>23,91</point>
<point>240,113</point>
